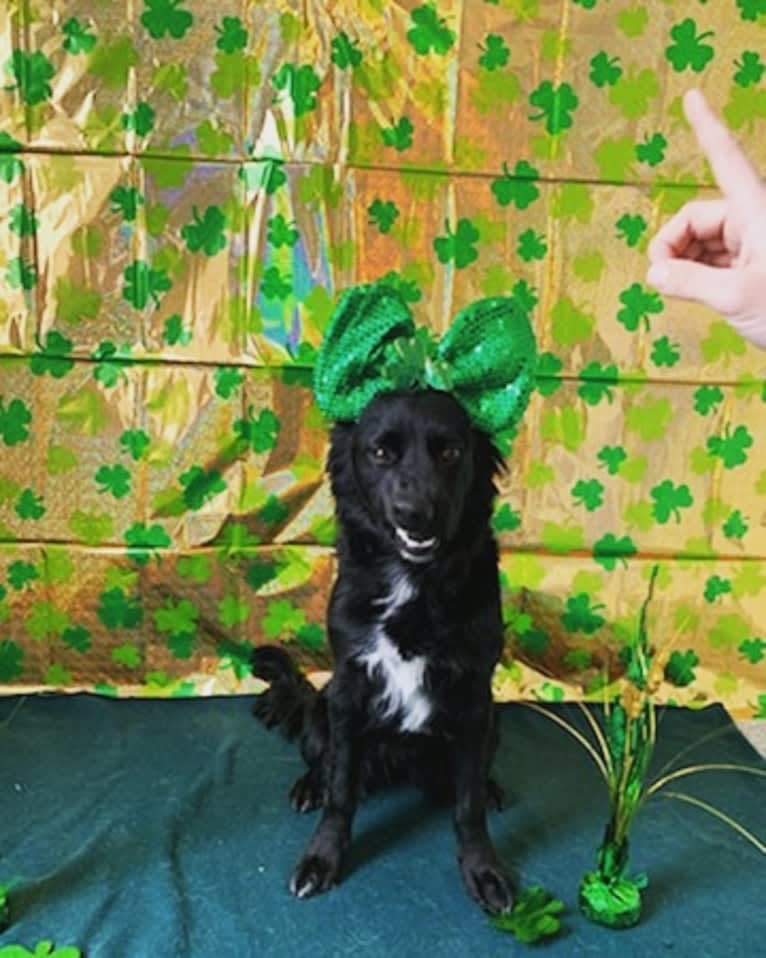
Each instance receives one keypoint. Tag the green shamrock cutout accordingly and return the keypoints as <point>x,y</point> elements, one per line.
<point>688,50</point>
<point>735,526</point>
<point>135,442</point>
<point>534,916</point>
<point>638,304</point>
<point>429,32</point>
<point>531,246</point>
<point>114,479</point>
<point>631,228</point>
<point>556,105</point>
<point>715,587</point>
<point>458,246</point>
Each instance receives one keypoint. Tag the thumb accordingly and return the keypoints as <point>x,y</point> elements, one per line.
<point>717,287</point>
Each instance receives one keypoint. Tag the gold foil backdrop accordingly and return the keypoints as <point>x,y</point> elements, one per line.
<point>186,186</point>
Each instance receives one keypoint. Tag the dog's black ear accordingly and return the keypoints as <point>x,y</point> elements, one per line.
<point>340,457</point>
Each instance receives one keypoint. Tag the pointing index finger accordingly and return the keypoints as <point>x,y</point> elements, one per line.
<point>733,171</point>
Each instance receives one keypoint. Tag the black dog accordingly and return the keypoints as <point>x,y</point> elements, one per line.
<point>416,630</point>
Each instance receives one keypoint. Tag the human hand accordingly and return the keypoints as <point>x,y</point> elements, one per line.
<point>714,251</point>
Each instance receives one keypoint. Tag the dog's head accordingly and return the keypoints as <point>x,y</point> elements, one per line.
<point>414,472</point>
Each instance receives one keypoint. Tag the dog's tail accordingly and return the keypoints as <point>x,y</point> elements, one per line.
<point>287,702</point>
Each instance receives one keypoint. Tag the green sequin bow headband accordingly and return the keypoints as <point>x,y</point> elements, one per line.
<point>486,359</point>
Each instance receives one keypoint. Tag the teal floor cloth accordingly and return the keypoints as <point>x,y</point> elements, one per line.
<point>161,829</point>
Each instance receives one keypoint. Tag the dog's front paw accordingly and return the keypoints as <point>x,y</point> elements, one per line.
<point>306,793</point>
<point>314,874</point>
<point>487,884</point>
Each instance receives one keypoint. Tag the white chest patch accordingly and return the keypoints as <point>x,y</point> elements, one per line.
<point>403,693</point>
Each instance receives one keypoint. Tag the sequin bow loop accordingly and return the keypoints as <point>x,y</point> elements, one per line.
<point>486,359</point>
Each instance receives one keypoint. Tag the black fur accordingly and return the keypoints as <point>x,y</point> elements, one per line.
<point>412,462</point>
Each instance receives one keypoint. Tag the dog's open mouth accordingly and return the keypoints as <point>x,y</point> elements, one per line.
<point>415,548</point>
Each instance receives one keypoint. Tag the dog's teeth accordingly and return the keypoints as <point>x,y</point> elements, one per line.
<point>412,543</point>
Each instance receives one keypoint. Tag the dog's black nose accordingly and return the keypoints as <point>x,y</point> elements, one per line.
<point>414,515</point>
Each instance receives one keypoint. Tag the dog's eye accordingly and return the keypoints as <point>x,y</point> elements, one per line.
<point>382,455</point>
<point>451,455</point>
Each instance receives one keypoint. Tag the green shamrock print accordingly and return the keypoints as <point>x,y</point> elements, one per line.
<point>688,50</point>
<point>548,368</point>
<point>750,69</point>
<point>140,120</point>
<point>174,333</point>
<point>77,38</point>
<point>665,353</point>
<point>274,285</point>
<point>518,187</point>
<point>345,52</point>
<point>494,52</point>
<point>429,32</point>
<point>556,105</point>
<point>141,540</point>
<point>301,83</point>
<point>631,228</point>
<point>458,246</point>
<point>21,275</point>
<point>163,17</point>
<point>581,616</point>
<point>14,421</point>
<point>259,573</point>
<point>731,447</point>
<point>531,246</point>
<point>232,35</point>
<point>259,434</point>
<point>751,9</point>
<point>53,358</point>
<point>143,282</point>
<point>604,71</point>
<point>280,232</point>
<point>638,304</point>
<point>200,486</point>
<point>116,610</point>
<point>715,587</point>
<point>126,201</point>
<point>10,166</point>
<point>135,443</point>
<point>21,573</point>
<point>609,550</point>
<point>669,499</point>
<point>506,519</point>
<point>113,479</point>
<point>227,382</point>
<point>399,136</point>
<point>588,493</point>
<point>207,232</point>
<point>679,670</point>
<point>22,221</point>
<point>32,73</point>
<point>652,150</point>
<point>597,382</point>
<point>706,398</point>
<point>735,526</point>
<point>29,505</point>
<point>382,214</point>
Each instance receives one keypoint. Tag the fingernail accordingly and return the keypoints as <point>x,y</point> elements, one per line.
<point>658,275</point>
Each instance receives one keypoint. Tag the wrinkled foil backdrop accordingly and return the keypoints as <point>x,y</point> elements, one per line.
<point>186,186</point>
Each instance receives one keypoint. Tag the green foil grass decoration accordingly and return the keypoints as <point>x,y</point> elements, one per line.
<point>623,749</point>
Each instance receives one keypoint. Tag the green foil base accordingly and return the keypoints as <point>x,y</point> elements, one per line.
<point>615,903</point>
